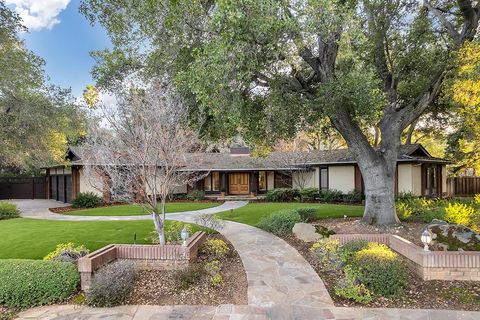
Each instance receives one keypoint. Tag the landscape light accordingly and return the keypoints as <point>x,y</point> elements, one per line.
<point>426,239</point>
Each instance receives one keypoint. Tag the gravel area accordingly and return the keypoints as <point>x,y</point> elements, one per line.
<point>407,230</point>
<point>163,287</point>
<point>455,295</point>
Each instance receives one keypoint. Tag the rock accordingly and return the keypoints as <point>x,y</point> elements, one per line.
<point>453,237</point>
<point>305,232</point>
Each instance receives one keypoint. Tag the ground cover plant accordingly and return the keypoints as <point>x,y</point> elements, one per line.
<point>86,200</point>
<point>34,238</point>
<point>133,209</point>
<point>252,213</point>
<point>27,283</point>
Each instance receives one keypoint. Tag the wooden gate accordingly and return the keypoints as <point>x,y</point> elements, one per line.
<point>23,188</point>
<point>463,186</point>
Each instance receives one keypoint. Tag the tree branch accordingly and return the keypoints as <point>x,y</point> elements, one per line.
<point>443,20</point>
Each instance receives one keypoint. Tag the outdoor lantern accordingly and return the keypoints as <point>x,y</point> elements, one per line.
<point>184,234</point>
<point>426,239</point>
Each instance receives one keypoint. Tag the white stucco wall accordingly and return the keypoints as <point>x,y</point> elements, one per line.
<point>270,180</point>
<point>341,178</point>
<point>304,179</point>
<point>444,178</point>
<point>90,183</point>
<point>405,177</point>
<point>417,179</point>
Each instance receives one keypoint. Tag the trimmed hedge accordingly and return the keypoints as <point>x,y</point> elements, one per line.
<point>8,210</point>
<point>86,200</point>
<point>28,283</point>
<point>281,222</point>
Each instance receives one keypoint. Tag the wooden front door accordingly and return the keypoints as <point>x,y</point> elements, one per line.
<point>238,183</point>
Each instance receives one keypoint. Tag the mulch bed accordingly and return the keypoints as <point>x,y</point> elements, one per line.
<point>163,287</point>
<point>70,208</point>
<point>435,294</point>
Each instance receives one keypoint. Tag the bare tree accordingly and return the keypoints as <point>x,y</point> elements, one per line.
<point>295,165</point>
<point>139,150</point>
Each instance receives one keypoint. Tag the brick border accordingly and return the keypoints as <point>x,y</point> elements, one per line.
<point>146,257</point>
<point>432,265</point>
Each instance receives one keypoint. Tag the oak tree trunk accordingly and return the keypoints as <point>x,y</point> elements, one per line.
<point>379,180</point>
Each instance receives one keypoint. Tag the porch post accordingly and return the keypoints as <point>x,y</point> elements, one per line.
<point>253,183</point>
<point>223,184</point>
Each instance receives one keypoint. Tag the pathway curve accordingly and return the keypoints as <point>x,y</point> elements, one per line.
<point>280,280</point>
<point>39,209</point>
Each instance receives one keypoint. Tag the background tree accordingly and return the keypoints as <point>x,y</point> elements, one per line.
<point>265,68</point>
<point>138,150</point>
<point>37,120</point>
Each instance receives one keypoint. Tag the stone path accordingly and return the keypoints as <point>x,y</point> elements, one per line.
<point>281,284</point>
<point>280,280</point>
<point>38,209</point>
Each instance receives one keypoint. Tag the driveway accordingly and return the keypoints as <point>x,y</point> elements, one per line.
<point>39,209</point>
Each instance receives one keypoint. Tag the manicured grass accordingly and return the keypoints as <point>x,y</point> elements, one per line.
<point>253,212</point>
<point>33,239</point>
<point>134,210</point>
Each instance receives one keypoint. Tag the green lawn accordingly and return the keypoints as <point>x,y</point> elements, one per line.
<point>133,210</point>
<point>33,239</point>
<point>253,212</point>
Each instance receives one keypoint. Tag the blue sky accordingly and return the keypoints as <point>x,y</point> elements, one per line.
<point>63,38</point>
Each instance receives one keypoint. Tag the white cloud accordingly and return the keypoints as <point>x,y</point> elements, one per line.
<point>39,14</point>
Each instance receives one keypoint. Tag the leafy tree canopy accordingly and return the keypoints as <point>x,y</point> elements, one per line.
<point>36,119</point>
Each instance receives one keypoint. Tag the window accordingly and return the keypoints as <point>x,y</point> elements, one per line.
<point>430,181</point>
<point>207,183</point>
<point>282,180</point>
<point>262,181</point>
<point>324,178</point>
<point>216,181</point>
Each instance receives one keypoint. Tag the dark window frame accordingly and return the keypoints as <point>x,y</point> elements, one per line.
<point>320,187</point>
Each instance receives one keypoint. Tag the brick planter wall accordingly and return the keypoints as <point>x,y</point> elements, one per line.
<point>146,257</point>
<point>432,265</point>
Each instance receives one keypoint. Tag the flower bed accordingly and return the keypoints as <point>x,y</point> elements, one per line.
<point>434,294</point>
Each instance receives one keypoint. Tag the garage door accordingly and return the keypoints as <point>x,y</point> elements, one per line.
<point>61,187</point>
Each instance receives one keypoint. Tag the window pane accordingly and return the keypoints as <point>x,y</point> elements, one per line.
<point>216,181</point>
<point>262,180</point>
<point>207,182</point>
<point>323,178</point>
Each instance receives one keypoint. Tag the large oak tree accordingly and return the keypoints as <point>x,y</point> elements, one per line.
<point>267,68</point>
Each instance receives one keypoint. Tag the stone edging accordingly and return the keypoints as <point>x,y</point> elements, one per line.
<point>429,265</point>
<point>145,256</point>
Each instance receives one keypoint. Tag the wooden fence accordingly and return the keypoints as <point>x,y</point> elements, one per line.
<point>463,186</point>
<point>23,188</point>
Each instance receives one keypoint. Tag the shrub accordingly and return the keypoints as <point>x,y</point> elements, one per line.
<point>213,269</point>
<point>349,250</point>
<point>209,220</point>
<point>188,276</point>
<point>460,213</point>
<point>27,283</point>
<point>67,252</point>
<point>112,284</point>
<point>380,270</point>
<point>195,195</point>
<point>215,247</point>
<point>324,231</point>
<point>86,200</point>
<point>308,214</point>
<point>281,222</point>
<point>282,194</point>
<point>172,231</point>
<point>404,211</point>
<point>308,193</point>
<point>406,196</point>
<point>8,210</point>
<point>352,197</point>
<point>476,201</point>
<point>349,288</point>
<point>330,195</point>
<point>327,251</point>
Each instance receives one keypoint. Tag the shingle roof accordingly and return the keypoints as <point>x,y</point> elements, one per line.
<point>286,160</point>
